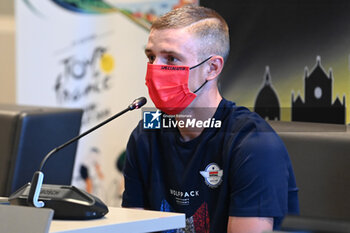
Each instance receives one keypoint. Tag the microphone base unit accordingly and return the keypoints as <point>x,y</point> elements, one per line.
<point>68,202</point>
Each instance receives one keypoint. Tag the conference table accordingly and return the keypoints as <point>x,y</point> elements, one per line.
<point>122,220</point>
<point>19,219</point>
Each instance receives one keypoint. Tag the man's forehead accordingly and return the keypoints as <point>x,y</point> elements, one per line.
<point>168,40</point>
<point>169,35</point>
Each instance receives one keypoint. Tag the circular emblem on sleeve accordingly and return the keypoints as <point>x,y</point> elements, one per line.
<point>212,175</point>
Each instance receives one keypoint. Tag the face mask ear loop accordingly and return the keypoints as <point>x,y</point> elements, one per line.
<point>200,63</point>
<point>197,66</point>
<point>200,86</point>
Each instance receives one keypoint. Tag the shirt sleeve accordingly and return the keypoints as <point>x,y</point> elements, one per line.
<point>133,195</point>
<point>259,176</point>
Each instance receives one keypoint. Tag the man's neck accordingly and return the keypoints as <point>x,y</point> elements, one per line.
<point>198,113</point>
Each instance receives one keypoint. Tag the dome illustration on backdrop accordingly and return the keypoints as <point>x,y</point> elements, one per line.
<point>267,103</point>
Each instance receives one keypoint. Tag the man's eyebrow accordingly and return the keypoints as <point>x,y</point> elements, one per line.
<point>147,51</point>
<point>170,52</point>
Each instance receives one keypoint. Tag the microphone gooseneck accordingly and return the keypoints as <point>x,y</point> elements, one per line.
<point>38,176</point>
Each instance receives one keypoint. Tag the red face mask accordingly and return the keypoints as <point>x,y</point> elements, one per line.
<point>168,87</point>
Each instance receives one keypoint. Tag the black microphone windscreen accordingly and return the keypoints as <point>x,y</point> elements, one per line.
<point>138,103</point>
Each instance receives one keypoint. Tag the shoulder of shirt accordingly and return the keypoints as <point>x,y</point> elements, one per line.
<point>241,118</point>
<point>253,134</point>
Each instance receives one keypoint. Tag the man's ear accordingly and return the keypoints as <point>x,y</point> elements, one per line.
<point>216,64</point>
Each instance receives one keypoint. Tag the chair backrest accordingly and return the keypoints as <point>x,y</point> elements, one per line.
<point>320,155</point>
<point>27,134</point>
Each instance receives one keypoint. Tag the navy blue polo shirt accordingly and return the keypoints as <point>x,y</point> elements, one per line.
<point>240,169</point>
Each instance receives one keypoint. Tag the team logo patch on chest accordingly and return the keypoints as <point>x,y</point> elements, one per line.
<point>212,175</point>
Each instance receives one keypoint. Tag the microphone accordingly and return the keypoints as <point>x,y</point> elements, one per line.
<point>138,103</point>
<point>68,202</point>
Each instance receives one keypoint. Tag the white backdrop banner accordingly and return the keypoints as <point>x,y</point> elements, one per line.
<point>89,55</point>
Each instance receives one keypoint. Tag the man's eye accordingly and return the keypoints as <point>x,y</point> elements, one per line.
<point>171,59</point>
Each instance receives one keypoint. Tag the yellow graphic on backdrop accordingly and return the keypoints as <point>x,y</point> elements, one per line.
<point>107,63</point>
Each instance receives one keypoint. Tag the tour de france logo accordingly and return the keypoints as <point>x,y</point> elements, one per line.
<point>212,175</point>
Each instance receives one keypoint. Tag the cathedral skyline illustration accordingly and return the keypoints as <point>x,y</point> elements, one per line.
<point>317,105</point>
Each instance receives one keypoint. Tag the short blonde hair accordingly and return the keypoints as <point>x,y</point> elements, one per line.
<point>206,24</point>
